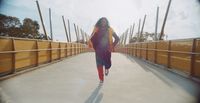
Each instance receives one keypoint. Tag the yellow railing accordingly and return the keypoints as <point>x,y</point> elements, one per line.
<point>182,55</point>
<point>19,54</point>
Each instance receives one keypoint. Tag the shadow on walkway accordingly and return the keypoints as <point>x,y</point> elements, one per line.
<point>170,78</point>
<point>95,97</point>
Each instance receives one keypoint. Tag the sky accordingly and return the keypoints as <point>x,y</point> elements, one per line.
<point>183,20</point>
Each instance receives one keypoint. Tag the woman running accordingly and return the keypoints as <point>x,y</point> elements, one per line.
<point>102,42</point>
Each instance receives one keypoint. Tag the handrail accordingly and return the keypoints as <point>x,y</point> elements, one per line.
<point>165,40</point>
<point>29,53</point>
<point>188,66</point>
<point>161,50</point>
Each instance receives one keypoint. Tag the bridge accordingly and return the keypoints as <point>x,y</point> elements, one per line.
<point>44,71</point>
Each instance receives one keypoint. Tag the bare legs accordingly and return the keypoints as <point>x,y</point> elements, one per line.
<point>100,73</point>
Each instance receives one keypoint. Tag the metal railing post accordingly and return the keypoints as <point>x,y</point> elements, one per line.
<point>192,63</point>
<point>169,55</point>
<point>50,52</point>
<point>147,51</point>
<point>38,6</point>
<point>13,70</point>
<point>37,53</point>
<point>155,53</point>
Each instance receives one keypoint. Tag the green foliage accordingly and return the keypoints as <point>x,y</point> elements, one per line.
<point>11,26</point>
<point>30,27</point>
<point>142,38</point>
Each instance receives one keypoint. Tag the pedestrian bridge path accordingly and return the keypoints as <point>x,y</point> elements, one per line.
<point>75,80</point>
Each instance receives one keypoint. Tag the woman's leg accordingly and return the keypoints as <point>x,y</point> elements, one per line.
<point>107,60</point>
<point>100,73</point>
<point>99,62</point>
<point>106,71</point>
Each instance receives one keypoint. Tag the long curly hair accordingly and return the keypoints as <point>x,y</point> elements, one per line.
<point>98,24</point>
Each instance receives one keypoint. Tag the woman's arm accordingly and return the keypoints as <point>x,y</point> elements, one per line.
<point>111,49</point>
<point>116,39</point>
<point>92,37</point>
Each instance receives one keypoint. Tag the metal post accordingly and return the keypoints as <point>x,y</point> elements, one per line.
<point>13,70</point>
<point>76,32</point>
<point>147,51</point>
<point>130,33</point>
<point>126,33</point>
<point>59,48</point>
<point>122,38</point>
<point>66,49</point>
<point>164,22</point>
<point>136,52</point>
<point>38,6</point>
<point>70,39</point>
<point>156,52</point>
<point>37,53</point>
<point>85,39</point>
<point>140,46</point>
<point>82,35</point>
<point>77,29</point>
<point>86,36</point>
<point>138,30</point>
<point>156,28</point>
<point>125,36</point>
<point>65,28</point>
<point>169,55</point>
<point>50,24</point>
<point>192,63</point>
<point>51,52</point>
<point>80,30</point>
<point>133,27</point>
<point>141,33</point>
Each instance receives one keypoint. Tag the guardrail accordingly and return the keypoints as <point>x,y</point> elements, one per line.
<point>182,55</point>
<point>17,54</point>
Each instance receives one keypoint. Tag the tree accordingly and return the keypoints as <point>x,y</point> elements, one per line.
<point>145,37</point>
<point>30,28</point>
<point>9,25</point>
<point>9,21</point>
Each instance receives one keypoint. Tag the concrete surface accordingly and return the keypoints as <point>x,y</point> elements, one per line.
<point>75,80</point>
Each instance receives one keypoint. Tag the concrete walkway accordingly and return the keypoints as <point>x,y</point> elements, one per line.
<point>75,80</point>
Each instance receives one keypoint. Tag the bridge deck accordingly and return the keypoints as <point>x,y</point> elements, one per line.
<point>75,80</point>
